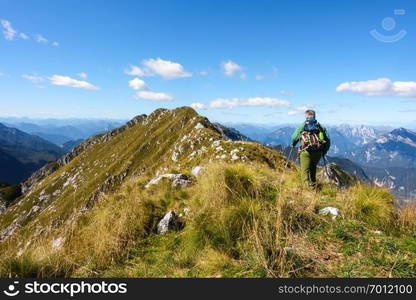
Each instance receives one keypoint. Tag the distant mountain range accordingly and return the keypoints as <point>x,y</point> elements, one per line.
<point>61,131</point>
<point>393,149</point>
<point>344,137</point>
<point>379,154</point>
<point>387,156</point>
<point>22,153</point>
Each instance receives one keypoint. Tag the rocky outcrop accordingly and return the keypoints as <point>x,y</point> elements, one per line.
<point>178,180</point>
<point>332,173</point>
<point>169,222</point>
<point>230,133</point>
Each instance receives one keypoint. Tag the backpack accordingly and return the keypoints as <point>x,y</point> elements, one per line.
<point>312,137</point>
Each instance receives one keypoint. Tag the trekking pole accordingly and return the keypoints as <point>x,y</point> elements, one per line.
<point>325,165</point>
<point>289,156</point>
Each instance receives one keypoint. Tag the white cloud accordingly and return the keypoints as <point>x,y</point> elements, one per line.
<point>153,96</point>
<point>10,34</point>
<point>259,77</point>
<point>255,101</point>
<point>165,68</point>
<point>40,39</point>
<point>70,82</point>
<point>380,87</point>
<point>286,93</point>
<point>135,71</point>
<point>243,76</point>
<point>197,105</point>
<point>23,36</point>
<point>203,73</point>
<point>230,68</point>
<point>8,31</point>
<point>137,84</point>
<point>82,75</point>
<point>300,110</point>
<point>33,78</point>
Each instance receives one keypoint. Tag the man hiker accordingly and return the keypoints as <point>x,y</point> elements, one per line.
<point>314,144</point>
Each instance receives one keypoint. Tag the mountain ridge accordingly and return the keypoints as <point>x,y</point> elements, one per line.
<point>102,163</point>
<point>240,208</point>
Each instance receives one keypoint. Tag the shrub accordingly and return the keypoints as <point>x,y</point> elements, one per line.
<point>371,204</point>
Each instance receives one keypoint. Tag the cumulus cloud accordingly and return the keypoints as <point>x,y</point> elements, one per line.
<point>165,68</point>
<point>203,73</point>
<point>56,44</point>
<point>230,68</point>
<point>197,105</point>
<point>153,96</point>
<point>8,31</point>
<point>33,78</point>
<point>286,93</point>
<point>157,66</point>
<point>380,87</point>
<point>259,77</point>
<point>255,101</point>
<point>71,82</point>
<point>135,71</point>
<point>137,84</point>
<point>40,39</point>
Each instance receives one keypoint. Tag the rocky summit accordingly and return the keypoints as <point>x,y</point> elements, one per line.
<point>172,194</point>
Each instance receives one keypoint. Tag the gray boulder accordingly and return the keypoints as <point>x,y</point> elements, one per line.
<point>169,222</point>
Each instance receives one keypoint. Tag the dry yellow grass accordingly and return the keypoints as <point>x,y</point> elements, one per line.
<point>244,220</point>
<point>407,218</point>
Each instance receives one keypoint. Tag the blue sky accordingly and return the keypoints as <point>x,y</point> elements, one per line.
<point>236,61</point>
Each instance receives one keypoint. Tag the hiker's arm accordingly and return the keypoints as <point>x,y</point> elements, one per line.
<point>296,136</point>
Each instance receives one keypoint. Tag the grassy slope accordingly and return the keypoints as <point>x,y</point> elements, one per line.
<point>245,216</point>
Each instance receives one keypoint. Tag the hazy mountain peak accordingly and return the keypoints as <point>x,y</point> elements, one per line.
<point>404,133</point>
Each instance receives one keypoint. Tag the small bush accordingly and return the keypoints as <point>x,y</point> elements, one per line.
<point>372,205</point>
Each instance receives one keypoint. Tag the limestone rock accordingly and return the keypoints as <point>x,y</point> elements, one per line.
<point>197,170</point>
<point>177,180</point>
<point>169,222</point>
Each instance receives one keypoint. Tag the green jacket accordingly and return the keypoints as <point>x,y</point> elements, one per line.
<point>296,137</point>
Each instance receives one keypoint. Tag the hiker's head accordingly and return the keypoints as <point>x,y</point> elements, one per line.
<point>310,114</point>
